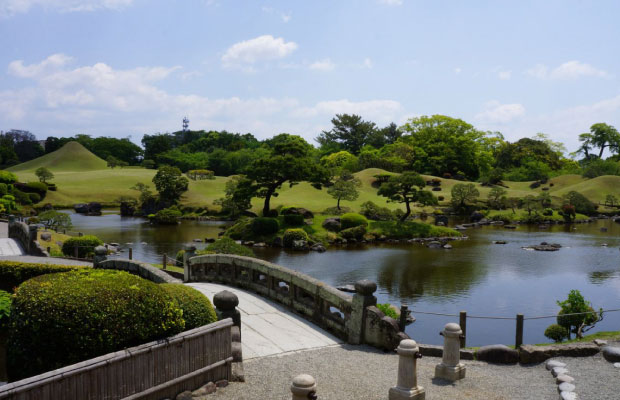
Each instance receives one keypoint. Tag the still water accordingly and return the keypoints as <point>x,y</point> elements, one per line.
<point>476,276</point>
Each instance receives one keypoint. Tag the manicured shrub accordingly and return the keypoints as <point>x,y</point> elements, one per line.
<point>34,187</point>
<point>535,185</point>
<point>13,273</point>
<point>265,226</point>
<point>556,332</point>
<point>88,313</point>
<point>388,310</point>
<point>179,257</point>
<point>353,233</point>
<point>351,220</point>
<point>548,212</point>
<point>290,235</point>
<point>372,211</point>
<point>293,219</point>
<point>85,244</point>
<point>197,309</point>
<point>5,309</point>
<point>34,197</point>
<point>168,216</point>
<point>228,246</point>
<point>3,189</point>
<point>7,177</point>
<point>287,210</point>
<point>440,198</point>
<point>21,197</point>
<point>51,186</point>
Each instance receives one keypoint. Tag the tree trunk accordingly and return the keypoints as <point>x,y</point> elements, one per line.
<point>338,204</point>
<point>600,154</point>
<point>404,217</point>
<point>266,207</point>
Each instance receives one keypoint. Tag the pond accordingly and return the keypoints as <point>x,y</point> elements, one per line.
<point>476,276</point>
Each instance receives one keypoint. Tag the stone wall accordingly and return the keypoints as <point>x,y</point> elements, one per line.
<point>26,236</point>
<point>138,268</point>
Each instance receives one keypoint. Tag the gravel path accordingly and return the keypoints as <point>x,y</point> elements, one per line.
<point>362,372</point>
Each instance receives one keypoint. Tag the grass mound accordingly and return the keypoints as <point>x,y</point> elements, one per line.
<point>70,157</point>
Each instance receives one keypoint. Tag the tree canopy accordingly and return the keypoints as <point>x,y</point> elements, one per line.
<point>170,184</point>
<point>403,188</point>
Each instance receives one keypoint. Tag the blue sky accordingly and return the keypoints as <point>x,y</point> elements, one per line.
<point>132,67</point>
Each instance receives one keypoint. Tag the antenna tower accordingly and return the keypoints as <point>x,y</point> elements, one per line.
<point>185,124</point>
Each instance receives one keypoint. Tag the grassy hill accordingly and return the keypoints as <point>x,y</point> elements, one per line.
<point>71,157</point>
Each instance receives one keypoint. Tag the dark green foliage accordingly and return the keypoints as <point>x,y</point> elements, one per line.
<point>88,313</point>
<point>179,257</point>
<point>351,220</point>
<point>228,246</point>
<point>349,133</point>
<point>44,174</point>
<point>53,219</point>
<point>388,310</point>
<point>409,230</point>
<point>523,152</point>
<point>598,167</point>
<point>197,309</point>
<point>356,232</point>
<point>5,309</point>
<point>149,164</point>
<point>7,177</point>
<point>21,197</point>
<point>34,197</point>
<point>3,189</point>
<point>404,188</point>
<point>577,324</point>
<point>580,202</point>
<point>85,244</point>
<point>372,211</point>
<point>265,226</point>
<point>170,184</point>
<point>290,235</point>
<point>601,136</point>
<point>531,170</point>
<point>463,195</point>
<point>556,332</point>
<point>36,187</point>
<point>293,219</point>
<point>547,212</point>
<point>168,216</point>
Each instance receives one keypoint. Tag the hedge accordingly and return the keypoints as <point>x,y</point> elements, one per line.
<point>21,197</point>
<point>86,313</point>
<point>351,220</point>
<point>294,234</point>
<point>3,189</point>
<point>168,216</point>
<point>85,244</point>
<point>13,273</point>
<point>228,246</point>
<point>5,309</point>
<point>197,309</point>
<point>265,226</point>
<point>353,233</point>
<point>34,197</point>
<point>7,177</point>
<point>293,219</point>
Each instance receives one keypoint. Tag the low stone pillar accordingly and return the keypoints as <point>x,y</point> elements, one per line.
<point>303,387</point>
<point>11,219</point>
<point>451,368</point>
<point>190,251</point>
<point>362,298</point>
<point>101,254</point>
<point>226,306</point>
<point>32,237</point>
<point>407,386</point>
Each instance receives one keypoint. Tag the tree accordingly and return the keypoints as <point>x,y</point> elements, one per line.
<point>53,219</point>
<point>44,174</point>
<point>530,203</point>
<point>463,193</point>
<point>578,324</point>
<point>611,200</point>
<point>349,133</point>
<point>601,136</point>
<point>238,196</point>
<point>170,184</point>
<point>27,150</point>
<point>146,195</point>
<point>112,161</point>
<point>290,159</point>
<point>580,202</point>
<point>403,188</point>
<point>526,150</point>
<point>344,188</point>
<point>495,197</point>
<point>512,203</point>
<point>544,198</point>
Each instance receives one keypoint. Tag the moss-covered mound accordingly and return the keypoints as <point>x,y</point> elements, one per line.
<point>197,309</point>
<point>13,273</point>
<point>61,319</point>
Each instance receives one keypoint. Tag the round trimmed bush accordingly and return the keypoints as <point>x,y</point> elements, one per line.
<point>351,220</point>
<point>7,177</point>
<point>5,309</point>
<point>265,226</point>
<point>61,319</point>
<point>85,244</point>
<point>353,233</point>
<point>293,219</point>
<point>197,309</point>
<point>228,246</point>
<point>290,235</point>
<point>21,197</point>
<point>556,332</point>
<point>34,197</point>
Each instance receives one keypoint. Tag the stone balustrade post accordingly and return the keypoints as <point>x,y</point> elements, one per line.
<point>407,386</point>
<point>362,298</point>
<point>101,254</point>
<point>11,219</point>
<point>226,303</point>
<point>303,387</point>
<point>451,368</point>
<point>190,251</point>
<point>32,236</point>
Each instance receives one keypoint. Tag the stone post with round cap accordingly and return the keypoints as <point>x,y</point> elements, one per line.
<point>451,368</point>
<point>407,384</point>
<point>189,252</point>
<point>363,297</point>
<point>303,387</point>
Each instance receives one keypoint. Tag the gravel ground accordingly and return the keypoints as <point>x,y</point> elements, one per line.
<point>362,372</point>
<point>595,378</point>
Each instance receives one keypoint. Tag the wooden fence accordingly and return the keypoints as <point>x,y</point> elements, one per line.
<point>151,371</point>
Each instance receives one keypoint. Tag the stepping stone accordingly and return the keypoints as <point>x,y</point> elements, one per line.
<point>559,371</point>
<point>568,395</point>
<point>600,342</point>
<point>554,363</point>
<point>566,387</point>
<point>498,353</point>
<point>611,354</point>
<point>564,378</point>
<point>617,365</point>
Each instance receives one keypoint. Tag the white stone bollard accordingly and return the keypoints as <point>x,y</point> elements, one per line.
<point>451,367</point>
<point>407,386</point>
<point>303,387</point>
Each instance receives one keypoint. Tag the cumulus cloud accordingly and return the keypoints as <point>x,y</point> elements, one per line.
<point>262,48</point>
<point>567,71</point>
<point>323,65</point>
<point>381,111</point>
<point>12,7</point>
<point>495,112</point>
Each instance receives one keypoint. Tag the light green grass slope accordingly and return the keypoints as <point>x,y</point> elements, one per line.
<point>69,158</point>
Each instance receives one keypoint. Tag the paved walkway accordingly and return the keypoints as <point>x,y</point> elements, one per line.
<point>268,328</point>
<point>8,247</point>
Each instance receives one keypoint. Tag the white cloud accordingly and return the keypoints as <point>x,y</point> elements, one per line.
<point>262,48</point>
<point>12,7</point>
<point>286,17</point>
<point>457,70</point>
<point>51,63</point>
<point>380,111</point>
<point>504,75</point>
<point>323,65</point>
<point>367,63</point>
<point>391,2</point>
<point>495,112</point>
<point>568,70</point>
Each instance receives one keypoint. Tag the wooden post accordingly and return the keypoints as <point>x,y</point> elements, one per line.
<point>402,323</point>
<point>164,261</point>
<point>130,253</point>
<point>49,250</point>
<point>519,336</point>
<point>75,251</point>
<point>463,324</point>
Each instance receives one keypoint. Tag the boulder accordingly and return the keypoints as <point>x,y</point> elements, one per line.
<point>554,363</point>
<point>529,354</point>
<point>447,246</point>
<point>441,219</point>
<point>81,208</point>
<point>499,242</point>
<point>476,216</point>
<point>46,236</point>
<point>186,395</point>
<point>611,354</point>
<point>260,244</point>
<point>568,396</point>
<point>94,208</point>
<point>318,247</point>
<point>307,214</point>
<point>332,224</point>
<point>498,353</point>
<point>564,378</point>
<point>127,209</point>
<point>566,387</point>
<point>300,245</point>
<point>434,245</point>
